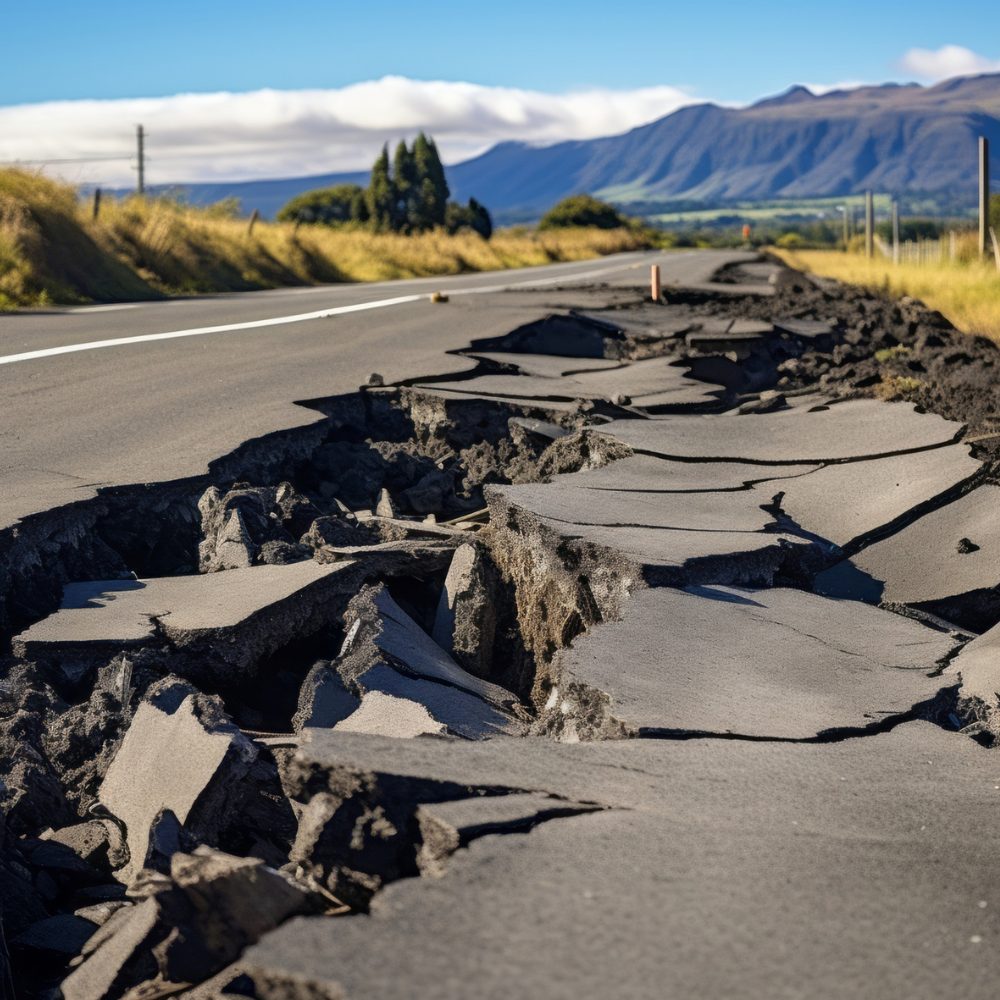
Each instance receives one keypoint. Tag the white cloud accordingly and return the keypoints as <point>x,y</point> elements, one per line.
<point>274,133</point>
<point>945,62</point>
<point>819,89</point>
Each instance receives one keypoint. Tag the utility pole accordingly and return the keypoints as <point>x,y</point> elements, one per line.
<point>984,195</point>
<point>869,225</point>
<point>140,136</point>
<point>896,243</point>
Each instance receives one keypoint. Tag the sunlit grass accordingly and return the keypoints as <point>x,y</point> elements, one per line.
<point>966,291</point>
<point>51,250</point>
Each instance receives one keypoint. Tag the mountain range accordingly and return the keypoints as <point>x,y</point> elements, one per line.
<point>894,138</point>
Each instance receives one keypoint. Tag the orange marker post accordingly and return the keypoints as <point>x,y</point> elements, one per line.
<point>654,282</point>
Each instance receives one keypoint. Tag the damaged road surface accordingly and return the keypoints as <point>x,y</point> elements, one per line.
<point>630,648</point>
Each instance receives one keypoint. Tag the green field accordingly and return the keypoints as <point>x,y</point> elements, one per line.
<point>784,210</point>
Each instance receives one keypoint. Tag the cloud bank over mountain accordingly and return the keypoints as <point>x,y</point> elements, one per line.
<point>274,133</point>
<point>946,62</point>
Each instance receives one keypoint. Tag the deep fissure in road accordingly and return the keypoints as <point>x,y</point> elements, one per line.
<point>398,569</point>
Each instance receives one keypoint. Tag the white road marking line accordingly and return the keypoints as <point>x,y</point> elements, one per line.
<point>536,282</point>
<point>96,345</point>
<point>83,310</point>
<point>200,331</point>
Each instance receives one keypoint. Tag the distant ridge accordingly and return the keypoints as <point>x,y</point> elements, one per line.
<point>894,138</point>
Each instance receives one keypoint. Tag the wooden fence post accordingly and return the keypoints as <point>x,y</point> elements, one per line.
<point>869,225</point>
<point>253,222</point>
<point>96,210</point>
<point>984,193</point>
<point>654,283</point>
<point>895,232</point>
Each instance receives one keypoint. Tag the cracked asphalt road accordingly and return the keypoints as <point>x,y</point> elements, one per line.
<point>612,678</point>
<point>163,410</point>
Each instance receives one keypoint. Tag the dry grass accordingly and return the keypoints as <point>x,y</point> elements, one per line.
<point>52,251</point>
<point>966,291</point>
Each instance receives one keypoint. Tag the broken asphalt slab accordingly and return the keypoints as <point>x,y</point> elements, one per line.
<point>718,868</point>
<point>843,432</point>
<point>180,755</point>
<point>214,624</point>
<point>947,553</point>
<point>843,503</point>
<point>655,380</point>
<point>762,664</point>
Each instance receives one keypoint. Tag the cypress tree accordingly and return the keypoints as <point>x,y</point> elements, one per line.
<point>480,219</point>
<point>381,194</point>
<point>432,197</point>
<point>359,207</point>
<point>404,175</point>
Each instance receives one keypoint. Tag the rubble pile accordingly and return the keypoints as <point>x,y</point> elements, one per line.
<point>479,665</point>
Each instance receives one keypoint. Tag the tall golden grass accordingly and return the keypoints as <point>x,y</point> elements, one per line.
<point>965,290</point>
<point>52,250</point>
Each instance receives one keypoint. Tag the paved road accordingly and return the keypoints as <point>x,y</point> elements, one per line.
<point>207,379</point>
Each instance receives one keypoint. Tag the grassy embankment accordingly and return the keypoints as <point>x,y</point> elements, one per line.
<point>51,250</point>
<point>966,290</point>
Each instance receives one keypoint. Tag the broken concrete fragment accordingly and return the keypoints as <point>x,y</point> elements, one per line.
<point>978,667</point>
<point>387,715</point>
<point>385,506</point>
<point>395,635</point>
<point>386,652</point>
<point>251,524</point>
<point>98,842</point>
<point>194,923</point>
<point>324,699</point>
<point>465,622</point>
<point>433,707</point>
<point>841,433</point>
<point>181,753</point>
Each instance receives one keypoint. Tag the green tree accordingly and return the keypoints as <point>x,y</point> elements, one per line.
<point>359,206</point>
<point>473,216</point>
<point>582,210</point>
<point>404,176</point>
<point>482,223</point>
<point>329,206</point>
<point>431,201</point>
<point>381,194</point>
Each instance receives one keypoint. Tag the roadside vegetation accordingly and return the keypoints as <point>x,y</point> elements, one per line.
<point>52,250</point>
<point>966,290</point>
<point>409,197</point>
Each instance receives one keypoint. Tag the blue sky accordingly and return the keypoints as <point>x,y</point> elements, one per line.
<point>726,51</point>
<point>252,89</point>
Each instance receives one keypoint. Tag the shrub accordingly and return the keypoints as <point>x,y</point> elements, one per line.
<point>583,210</point>
<point>330,206</point>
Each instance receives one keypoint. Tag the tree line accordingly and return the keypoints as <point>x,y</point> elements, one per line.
<point>408,195</point>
